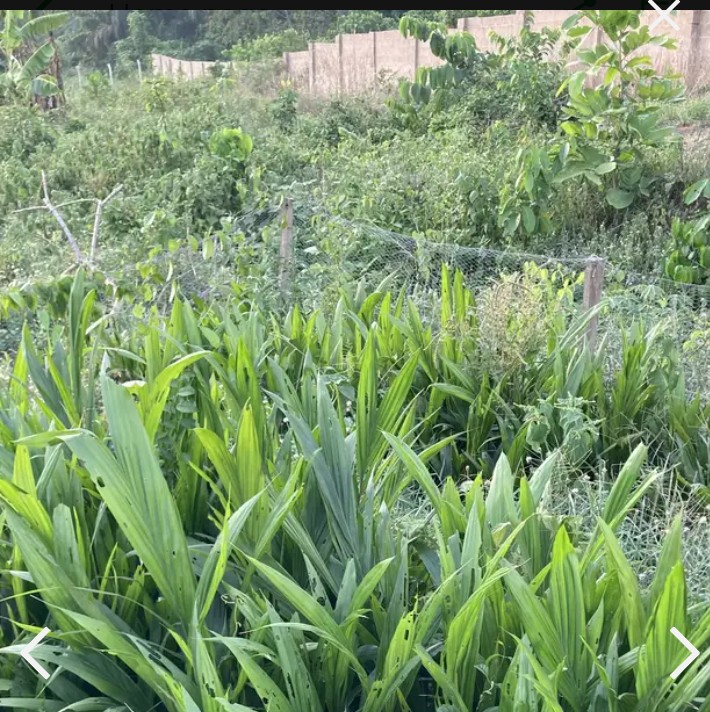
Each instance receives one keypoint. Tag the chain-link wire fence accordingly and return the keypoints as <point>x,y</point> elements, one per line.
<point>679,313</point>
<point>327,253</point>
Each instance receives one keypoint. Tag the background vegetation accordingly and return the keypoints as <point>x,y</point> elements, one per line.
<point>95,37</point>
<point>393,474</point>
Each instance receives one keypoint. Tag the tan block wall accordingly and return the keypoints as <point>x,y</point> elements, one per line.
<point>297,67</point>
<point>357,61</point>
<point>179,68</point>
<point>353,63</point>
<point>325,68</point>
<point>479,27</point>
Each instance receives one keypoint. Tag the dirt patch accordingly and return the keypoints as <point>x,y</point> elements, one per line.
<point>695,134</point>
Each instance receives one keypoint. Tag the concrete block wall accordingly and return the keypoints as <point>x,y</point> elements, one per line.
<point>391,54</point>
<point>353,63</point>
<point>179,68</point>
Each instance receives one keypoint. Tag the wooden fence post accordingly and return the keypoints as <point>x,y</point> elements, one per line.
<point>341,68</point>
<point>286,251</point>
<point>374,54</point>
<point>312,67</point>
<point>140,71</point>
<point>593,283</point>
<point>110,74</point>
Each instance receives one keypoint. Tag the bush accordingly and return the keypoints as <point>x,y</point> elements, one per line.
<point>363,21</point>
<point>268,46</point>
<point>688,259</point>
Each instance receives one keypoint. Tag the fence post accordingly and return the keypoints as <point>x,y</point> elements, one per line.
<point>140,71</point>
<point>286,251</point>
<point>341,68</point>
<point>593,282</point>
<point>311,67</point>
<point>374,54</point>
<point>110,74</point>
<point>693,40</point>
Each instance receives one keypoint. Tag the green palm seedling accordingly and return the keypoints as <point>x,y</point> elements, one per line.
<point>77,577</point>
<point>65,377</point>
<point>593,640</point>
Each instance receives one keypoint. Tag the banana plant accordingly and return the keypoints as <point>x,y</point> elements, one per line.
<point>25,67</point>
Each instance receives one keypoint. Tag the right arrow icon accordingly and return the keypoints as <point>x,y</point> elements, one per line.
<point>694,652</point>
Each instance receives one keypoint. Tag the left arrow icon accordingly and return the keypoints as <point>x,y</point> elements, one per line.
<point>30,647</point>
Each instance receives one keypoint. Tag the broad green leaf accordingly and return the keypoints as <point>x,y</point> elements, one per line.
<point>619,199</point>
<point>135,491</point>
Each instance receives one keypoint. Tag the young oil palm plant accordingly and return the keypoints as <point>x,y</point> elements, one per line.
<point>264,552</point>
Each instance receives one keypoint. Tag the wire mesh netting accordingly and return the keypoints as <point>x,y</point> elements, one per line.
<point>330,252</point>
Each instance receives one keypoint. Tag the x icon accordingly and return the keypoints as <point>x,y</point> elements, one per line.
<point>663,14</point>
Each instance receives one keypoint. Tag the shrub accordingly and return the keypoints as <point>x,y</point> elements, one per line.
<point>609,129</point>
<point>283,108</point>
<point>268,46</point>
<point>688,259</point>
<point>363,21</point>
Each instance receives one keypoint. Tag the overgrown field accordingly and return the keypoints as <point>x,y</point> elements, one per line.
<point>394,472</point>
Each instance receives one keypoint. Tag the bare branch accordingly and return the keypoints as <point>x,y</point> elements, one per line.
<point>97,220</point>
<point>61,205</point>
<point>67,232</point>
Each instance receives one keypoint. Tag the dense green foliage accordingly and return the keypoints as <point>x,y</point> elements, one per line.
<point>361,479</point>
<point>291,510</point>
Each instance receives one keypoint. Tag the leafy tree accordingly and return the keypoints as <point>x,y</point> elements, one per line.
<point>521,75</point>
<point>458,51</point>
<point>528,72</point>
<point>620,115</point>
<point>89,36</point>
<point>139,43</point>
<point>272,45</point>
<point>611,121</point>
<point>227,27</point>
<point>448,17</point>
<point>364,21</point>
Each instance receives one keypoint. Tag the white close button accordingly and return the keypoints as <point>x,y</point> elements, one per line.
<point>664,14</point>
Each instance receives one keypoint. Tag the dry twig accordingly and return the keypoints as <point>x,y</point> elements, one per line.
<point>65,228</point>
<point>97,219</point>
